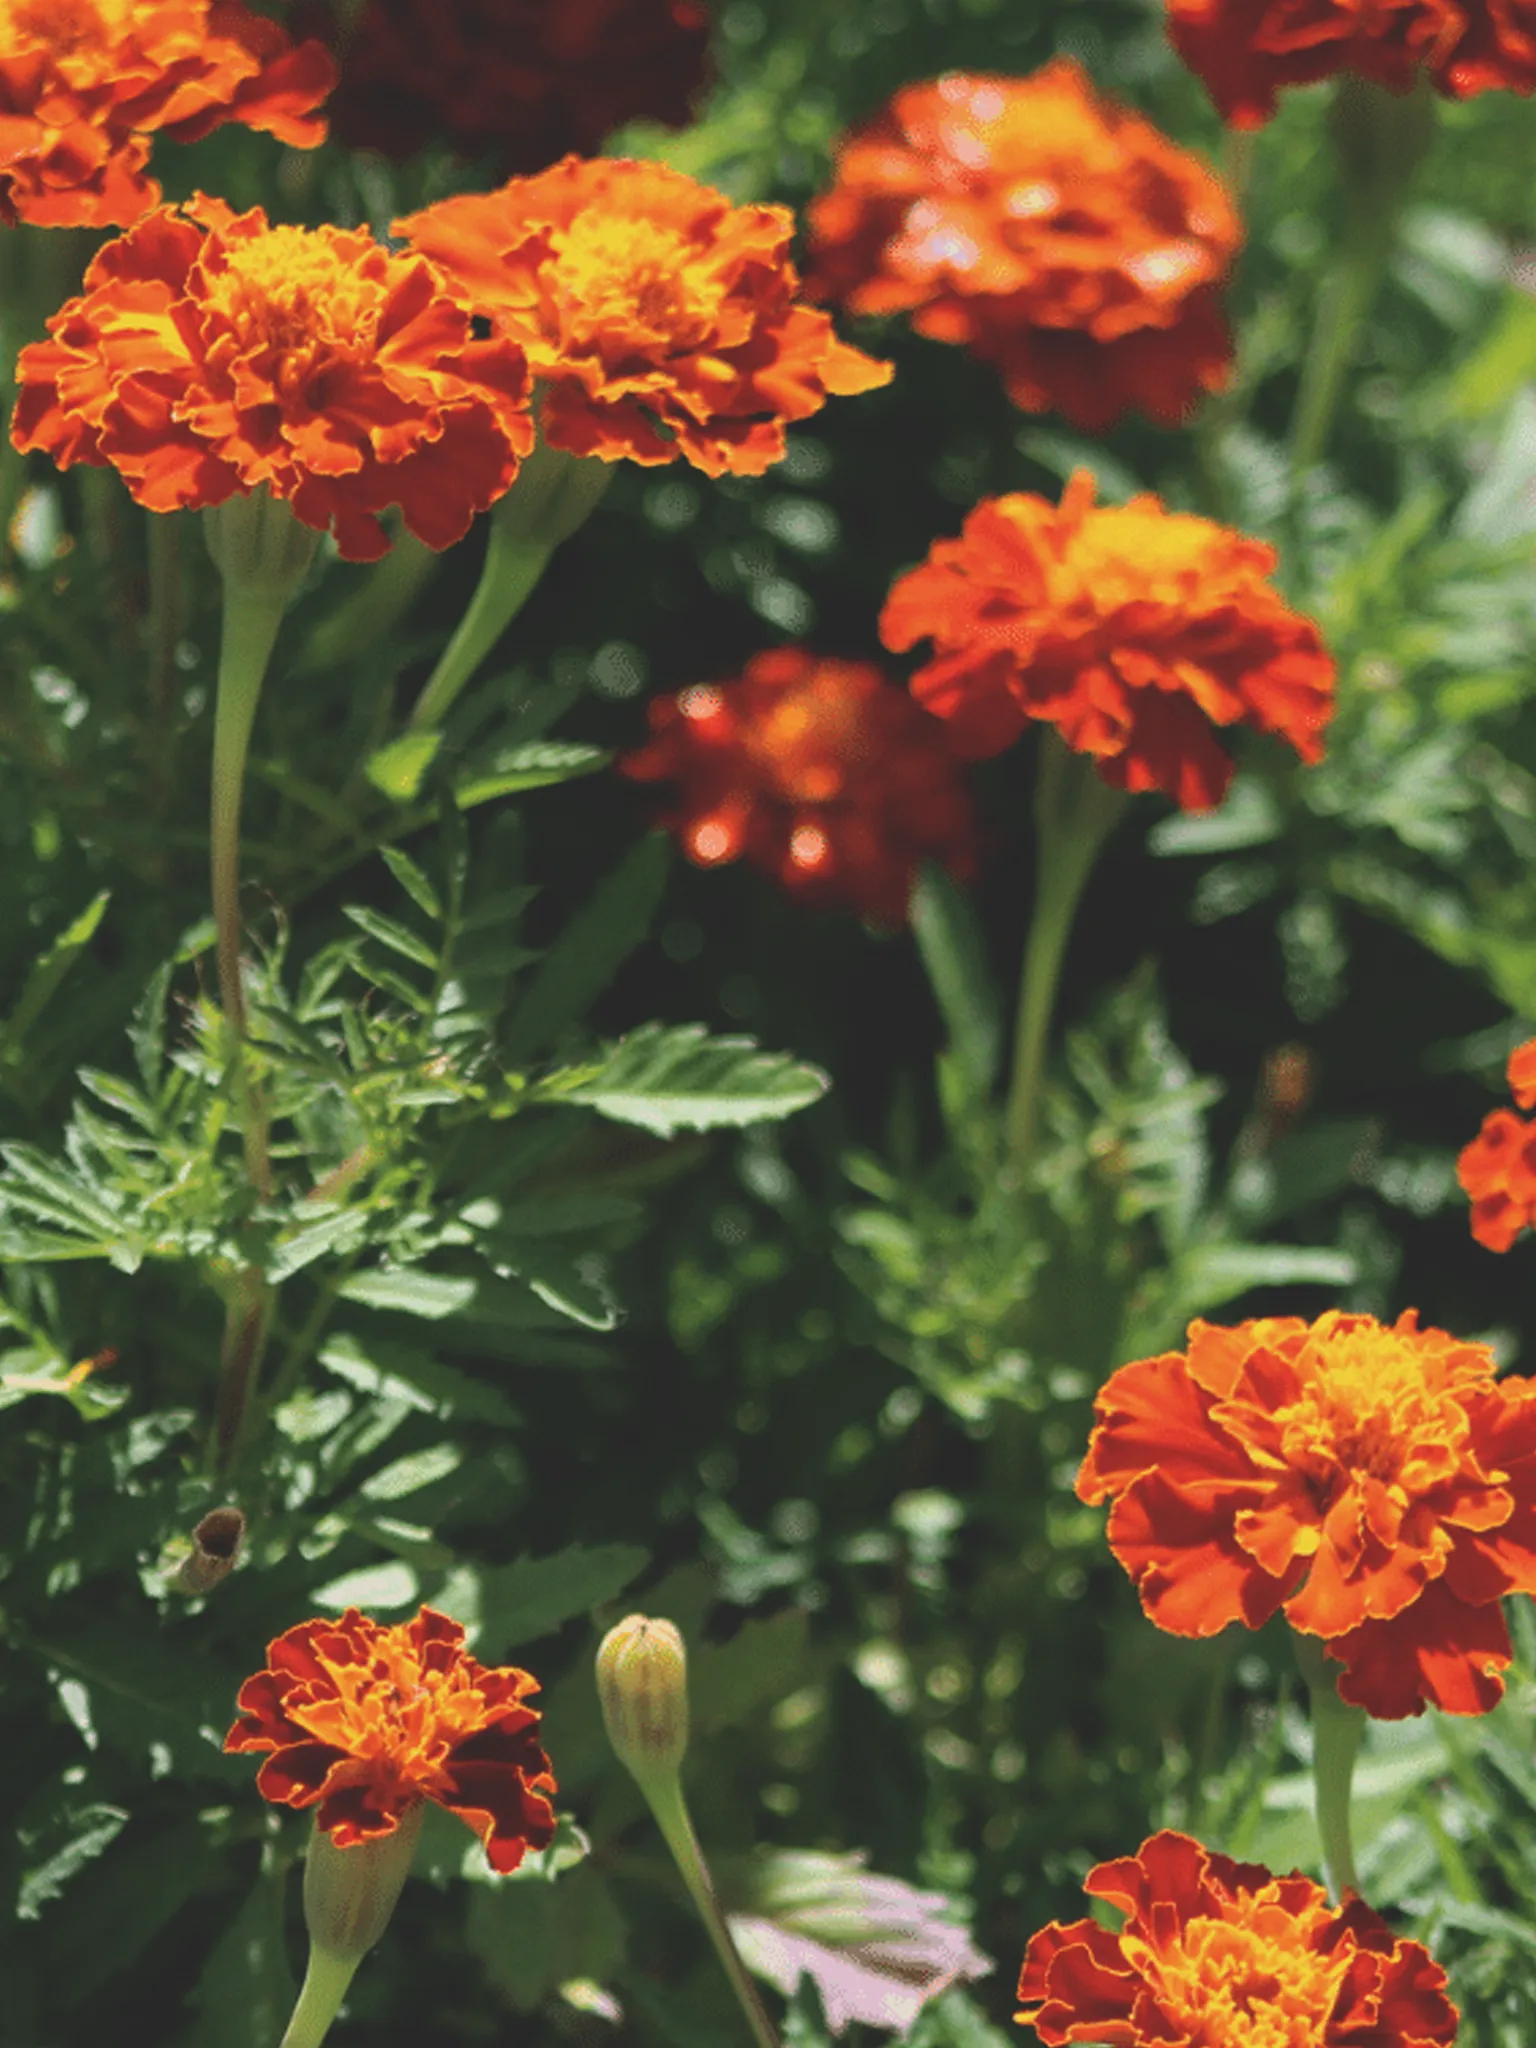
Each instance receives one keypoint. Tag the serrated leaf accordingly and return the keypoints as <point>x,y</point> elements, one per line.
<point>389,932</point>
<point>414,881</point>
<point>534,766</point>
<point>591,949</point>
<point>427,1383</point>
<point>407,1291</point>
<point>88,1832</point>
<point>667,1078</point>
<point>520,1602</point>
<point>48,972</point>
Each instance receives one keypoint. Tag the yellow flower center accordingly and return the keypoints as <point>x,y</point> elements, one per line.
<point>1247,1980</point>
<point>1373,1403</point>
<point>390,1710</point>
<point>65,26</point>
<point>618,279</point>
<point>293,295</point>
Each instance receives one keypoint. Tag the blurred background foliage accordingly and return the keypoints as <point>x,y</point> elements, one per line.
<point>813,1390</point>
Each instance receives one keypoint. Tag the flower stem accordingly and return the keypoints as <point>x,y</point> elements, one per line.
<point>664,1795</point>
<point>324,1987</point>
<point>251,619</point>
<point>1074,814</point>
<point>513,566</point>
<point>1337,1729</point>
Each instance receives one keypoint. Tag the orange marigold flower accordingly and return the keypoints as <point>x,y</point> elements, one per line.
<point>362,1722</point>
<point>1130,629</point>
<point>660,320</point>
<point>1378,1483</point>
<point>820,772</point>
<point>1214,1951</point>
<point>85,84</point>
<point>1056,234</point>
<point>211,354</point>
<point>1245,51</point>
<point>1497,1170</point>
<point>518,81</point>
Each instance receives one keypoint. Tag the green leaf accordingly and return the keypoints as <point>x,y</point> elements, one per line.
<point>531,1938</point>
<point>590,951</point>
<point>399,769</point>
<point>667,1078</point>
<point>47,972</point>
<point>953,946</point>
<point>375,1588</point>
<point>413,880</point>
<point>87,1832</point>
<point>762,1662</point>
<point>534,766</point>
<point>398,937</point>
<point>518,1603</point>
<point>406,1291</point>
<point>425,1382</point>
<point>246,1991</point>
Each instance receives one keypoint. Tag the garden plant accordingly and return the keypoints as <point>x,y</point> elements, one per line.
<point>767,972</point>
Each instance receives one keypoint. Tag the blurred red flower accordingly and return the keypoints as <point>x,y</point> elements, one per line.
<point>1054,233</point>
<point>86,84</point>
<point>1133,630</point>
<point>1377,1483</point>
<point>1213,1951</point>
<point>1245,51</point>
<point>1497,1170</point>
<point>519,81</point>
<point>661,322</point>
<point>819,772</point>
<point>211,354</point>
<point>362,1722</point>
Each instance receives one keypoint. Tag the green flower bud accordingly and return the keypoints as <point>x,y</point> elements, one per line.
<point>642,1681</point>
<point>260,544</point>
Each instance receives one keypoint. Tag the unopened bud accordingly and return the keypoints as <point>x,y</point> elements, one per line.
<point>350,1893</point>
<point>642,1681</point>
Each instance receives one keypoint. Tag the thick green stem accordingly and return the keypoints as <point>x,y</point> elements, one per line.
<point>383,597</point>
<point>664,1795</point>
<point>1337,1731</point>
<point>1074,814</point>
<point>513,566</point>
<point>1380,138</point>
<point>245,1332</point>
<point>320,1996</point>
<point>251,620</point>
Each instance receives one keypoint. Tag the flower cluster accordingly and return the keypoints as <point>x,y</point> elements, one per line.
<point>363,1722</point>
<point>211,354</point>
<point>517,81</point>
<point>1246,51</point>
<point>1054,233</point>
<point>1498,1169</point>
<point>1376,1483</point>
<point>1131,629</point>
<point>1213,1951</point>
<point>819,772</point>
<point>86,84</point>
<point>661,321</point>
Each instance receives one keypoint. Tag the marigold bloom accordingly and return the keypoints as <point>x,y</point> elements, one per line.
<point>660,320</point>
<point>1498,1169</point>
<point>1130,629</point>
<point>820,772</point>
<point>212,354</point>
<point>1222,1953</point>
<point>1055,234</point>
<point>362,1722</point>
<point>1245,51</point>
<point>1378,1483</point>
<point>85,84</point>
<point>519,81</point>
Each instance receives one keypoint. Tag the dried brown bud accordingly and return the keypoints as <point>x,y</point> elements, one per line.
<point>216,1545</point>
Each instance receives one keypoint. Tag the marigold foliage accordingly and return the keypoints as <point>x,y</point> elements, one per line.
<point>1246,51</point>
<point>662,322</point>
<point>1131,629</point>
<point>211,354</point>
<point>819,772</point>
<point>1052,232</point>
<point>86,84</point>
<point>1375,1482</point>
<point>1222,1952</point>
<point>519,81</point>
<point>1497,1170</point>
<point>362,1722</point>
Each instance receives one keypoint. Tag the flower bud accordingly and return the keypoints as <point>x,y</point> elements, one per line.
<point>214,1552</point>
<point>642,1681</point>
<point>350,1893</point>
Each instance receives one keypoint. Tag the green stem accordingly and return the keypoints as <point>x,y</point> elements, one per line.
<point>381,600</point>
<point>251,620</point>
<point>1346,298</point>
<point>664,1795</point>
<point>1337,1731</point>
<point>1074,814</point>
<point>513,566</point>
<point>324,1987</point>
<point>245,1331</point>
